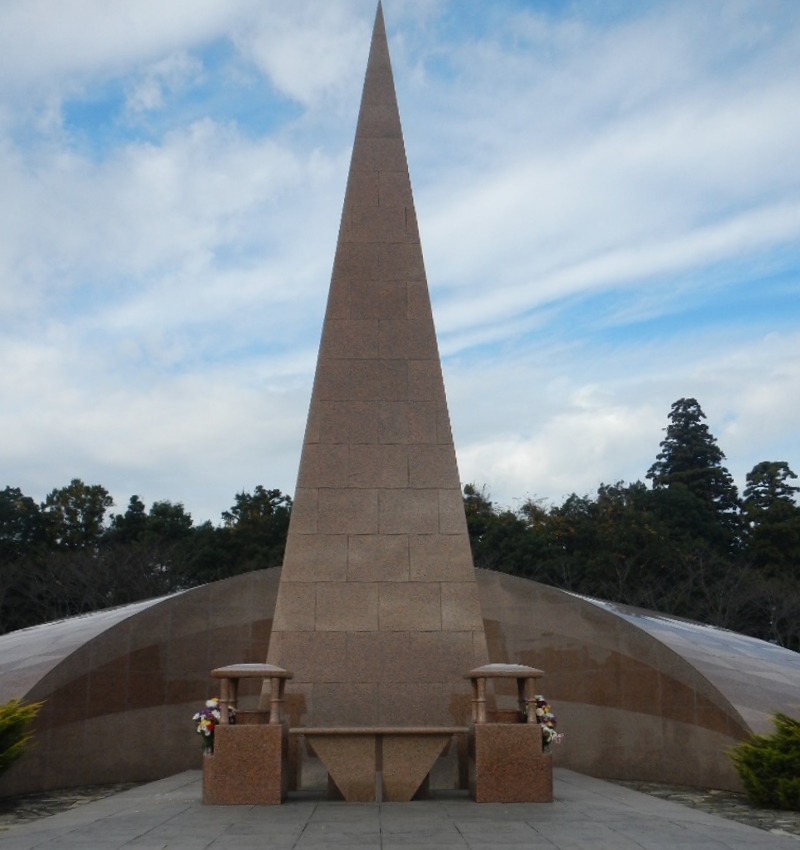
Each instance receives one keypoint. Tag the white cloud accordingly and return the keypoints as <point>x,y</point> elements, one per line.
<point>160,304</point>
<point>577,419</point>
<point>171,74</point>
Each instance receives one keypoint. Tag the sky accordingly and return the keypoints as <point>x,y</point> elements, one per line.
<point>608,194</point>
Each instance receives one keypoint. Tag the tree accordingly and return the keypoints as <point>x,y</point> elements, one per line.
<point>256,526</point>
<point>690,463</point>
<point>130,526</point>
<point>74,515</point>
<point>168,521</point>
<point>20,524</point>
<point>768,485</point>
<point>773,519</point>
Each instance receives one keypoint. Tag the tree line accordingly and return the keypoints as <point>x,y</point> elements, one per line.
<point>68,555</point>
<point>686,544</point>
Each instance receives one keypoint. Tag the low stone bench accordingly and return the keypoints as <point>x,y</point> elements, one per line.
<point>367,763</point>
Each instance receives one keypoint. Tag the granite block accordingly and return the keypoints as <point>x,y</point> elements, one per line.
<point>311,656</point>
<point>461,607</point>
<point>393,380</point>
<point>440,557</point>
<point>401,261</point>
<point>296,606</point>
<point>376,466</point>
<point>315,557</point>
<point>379,154</point>
<point>348,511</point>
<point>323,465</point>
<point>349,338</point>
<point>249,766</point>
<point>409,607</point>
<point>378,300</point>
<point>404,339</point>
<point>452,519</point>
<point>384,224</point>
<point>381,120</point>
<point>394,189</point>
<point>410,511</point>
<point>347,607</point>
<point>433,467</point>
<point>425,382</point>
<point>363,190</point>
<point>422,423</point>
<point>507,764</point>
<point>393,422</point>
<point>356,262</point>
<point>373,557</point>
<point>419,303</point>
<point>377,657</point>
<point>305,510</point>
<point>346,703</point>
<point>346,423</point>
<point>414,704</point>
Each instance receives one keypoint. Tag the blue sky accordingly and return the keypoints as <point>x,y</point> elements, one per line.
<point>609,203</point>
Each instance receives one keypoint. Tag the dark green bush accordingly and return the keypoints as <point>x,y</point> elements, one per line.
<point>769,765</point>
<point>15,737</point>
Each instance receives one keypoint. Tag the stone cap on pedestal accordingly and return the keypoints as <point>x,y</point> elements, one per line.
<point>504,671</point>
<point>251,671</point>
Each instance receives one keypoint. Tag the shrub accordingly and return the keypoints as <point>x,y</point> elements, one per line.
<point>769,765</point>
<point>15,738</point>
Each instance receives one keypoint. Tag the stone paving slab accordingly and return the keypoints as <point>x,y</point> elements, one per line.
<point>587,814</point>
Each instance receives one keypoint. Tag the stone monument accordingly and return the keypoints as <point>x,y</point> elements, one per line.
<point>377,614</point>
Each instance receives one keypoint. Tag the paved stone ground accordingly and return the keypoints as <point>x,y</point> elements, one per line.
<point>588,814</point>
<point>726,804</point>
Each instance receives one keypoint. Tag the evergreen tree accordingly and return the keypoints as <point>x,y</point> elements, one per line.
<point>255,529</point>
<point>773,519</point>
<point>690,465</point>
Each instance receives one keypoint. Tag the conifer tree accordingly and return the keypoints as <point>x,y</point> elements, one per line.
<point>690,463</point>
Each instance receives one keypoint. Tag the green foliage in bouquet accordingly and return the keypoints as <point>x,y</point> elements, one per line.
<point>769,765</point>
<point>15,718</point>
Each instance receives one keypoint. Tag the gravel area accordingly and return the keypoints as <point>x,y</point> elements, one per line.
<point>726,804</point>
<point>28,807</point>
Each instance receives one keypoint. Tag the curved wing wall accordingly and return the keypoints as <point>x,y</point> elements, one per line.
<point>120,686</point>
<point>639,695</point>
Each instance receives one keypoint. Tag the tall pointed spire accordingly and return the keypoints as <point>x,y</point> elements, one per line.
<point>378,614</point>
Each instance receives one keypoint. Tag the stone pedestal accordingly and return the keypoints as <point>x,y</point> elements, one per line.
<point>249,766</point>
<point>250,762</point>
<point>507,765</point>
<point>506,759</point>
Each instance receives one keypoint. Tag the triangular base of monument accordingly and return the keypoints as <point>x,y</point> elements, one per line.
<point>378,765</point>
<point>407,760</point>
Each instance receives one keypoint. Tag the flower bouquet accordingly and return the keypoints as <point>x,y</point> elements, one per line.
<point>207,720</point>
<point>547,720</point>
